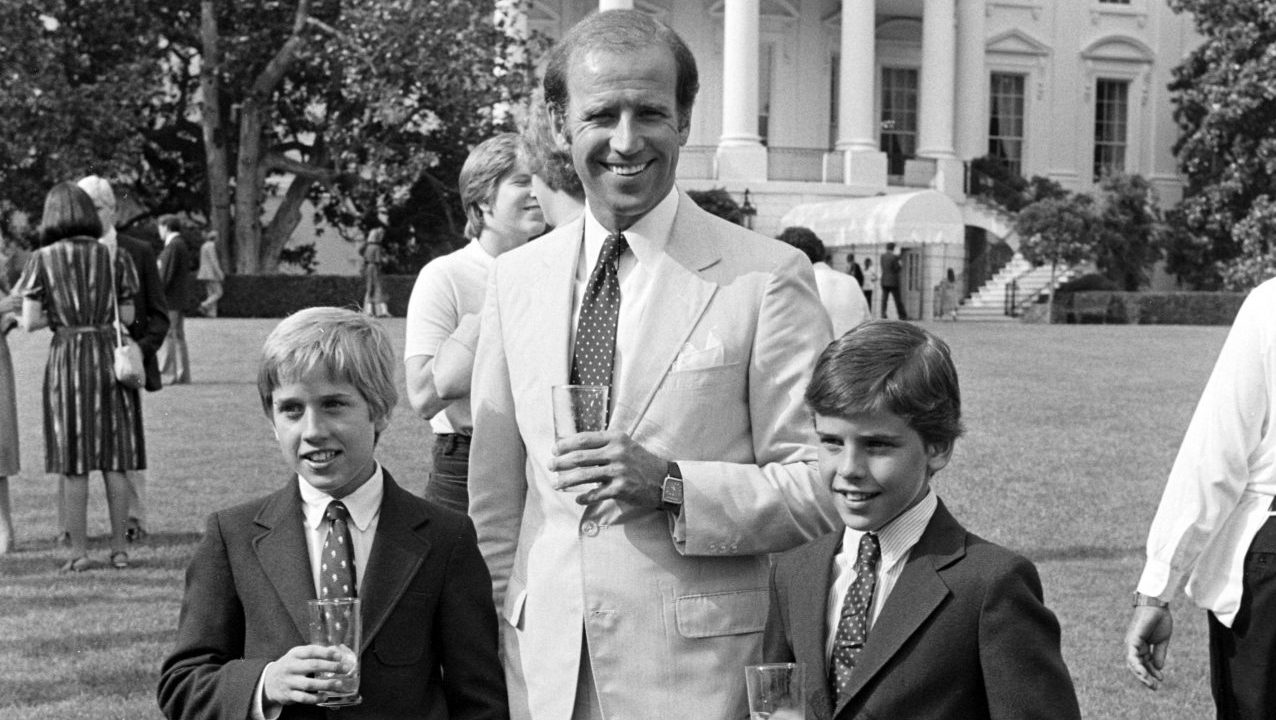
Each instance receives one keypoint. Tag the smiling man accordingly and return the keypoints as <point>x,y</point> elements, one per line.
<point>630,565</point>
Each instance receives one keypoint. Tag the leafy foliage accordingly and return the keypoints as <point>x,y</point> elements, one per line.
<point>1129,231</point>
<point>719,202</point>
<point>1058,230</point>
<point>1225,97</point>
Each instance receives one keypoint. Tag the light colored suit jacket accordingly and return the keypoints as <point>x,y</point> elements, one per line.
<point>964,634</point>
<point>673,609</point>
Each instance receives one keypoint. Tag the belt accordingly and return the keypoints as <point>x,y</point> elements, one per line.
<point>78,329</point>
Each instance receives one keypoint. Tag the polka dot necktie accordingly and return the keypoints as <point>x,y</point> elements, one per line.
<point>595,350</point>
<point>336,566</point>
<point>852,626</point>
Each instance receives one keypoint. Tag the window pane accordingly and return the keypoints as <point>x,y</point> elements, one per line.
<point>899,117</point>
<point>1111,119</point>
<point>1006,120</point>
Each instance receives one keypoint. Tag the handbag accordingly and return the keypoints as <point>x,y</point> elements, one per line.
<point>128,367</point>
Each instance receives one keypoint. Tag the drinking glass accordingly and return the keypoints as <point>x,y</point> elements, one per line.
<point>577,409</point>
<point>776,691</point>
<point>336,623</point>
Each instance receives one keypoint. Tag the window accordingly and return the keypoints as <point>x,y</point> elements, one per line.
<point>1114,2</point>
<point>1005,120</point>
<point>1111,118</point>
<point>899,117</point>
<point>766,60</point>
<point>834,98</point>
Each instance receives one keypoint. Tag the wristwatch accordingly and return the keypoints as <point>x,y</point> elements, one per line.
<point>1141,600</point>
<point>671,488</point>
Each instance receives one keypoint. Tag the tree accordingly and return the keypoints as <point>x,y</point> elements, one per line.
<point>719,202</point>
<point>1129,230</point>
<point>211,106</point>
<point>1225,97</point>
<point>1058,230</point>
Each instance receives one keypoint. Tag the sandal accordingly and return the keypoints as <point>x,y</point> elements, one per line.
<point>119,560</point>
<point>78,564</point>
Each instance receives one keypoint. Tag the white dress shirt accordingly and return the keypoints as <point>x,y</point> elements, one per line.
<point>1224,477</point>
<point>896,541</point>
<point>364,506</point>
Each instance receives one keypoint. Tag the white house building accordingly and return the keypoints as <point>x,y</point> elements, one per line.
<point>825,111</point>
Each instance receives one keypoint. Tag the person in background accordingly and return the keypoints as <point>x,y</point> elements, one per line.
<point>630,565</point>
<point>1214,533</point>
<point>210,274</point>
<point>373,254</point>
<point>554,179</point>
<point>853,269</point>
<point>91,422</point>
<point>148,329</point>
<point>10,305</point>
<point>501,213</point>
<point>945,303</point>
<point>840,293</point>
<point>870,282</point>
<point>903,613</point>
<point>326,382</point>
<point>175,273</point>
<point>890,271</point>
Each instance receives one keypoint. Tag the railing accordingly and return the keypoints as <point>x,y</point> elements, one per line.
<point>1011,308</point>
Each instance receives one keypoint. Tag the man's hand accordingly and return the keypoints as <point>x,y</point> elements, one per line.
<point>1146,642</point>
<point>625,471</point>
<point>290,679</point>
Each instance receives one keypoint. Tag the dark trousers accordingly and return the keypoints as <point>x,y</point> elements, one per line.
<point>887,292</point>
<point>868,295</point>
<point>449,480</point>
<point>1243,657</point>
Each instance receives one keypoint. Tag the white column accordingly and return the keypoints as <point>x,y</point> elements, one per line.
<point>615,5</point>
<point>972,82</point>
<point>863,162</point>
<point>740,154</point>
<point>937,106</point>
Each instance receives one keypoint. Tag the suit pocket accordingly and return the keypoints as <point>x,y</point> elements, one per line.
<point>406,633</point>
<point>725,613</point>
<point>705,377</point>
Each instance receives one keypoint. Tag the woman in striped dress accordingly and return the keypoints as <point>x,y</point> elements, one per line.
<point>91,422</point>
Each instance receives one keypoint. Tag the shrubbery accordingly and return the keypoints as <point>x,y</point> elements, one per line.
<point>276,296</point>
<point>1147,308</point>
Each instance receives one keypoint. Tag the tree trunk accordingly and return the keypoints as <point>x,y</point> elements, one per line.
<point>1050,303</point>
<point>218,162</point>
<point>250,173</point>
<point>288,215</point>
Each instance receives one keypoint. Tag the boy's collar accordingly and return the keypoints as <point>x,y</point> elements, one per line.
<point>363,504</point>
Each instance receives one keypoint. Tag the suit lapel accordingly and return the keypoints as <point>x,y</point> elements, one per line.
<point>810,610</point>
<point>281,550</point>
<point>547,336</point>
<point>397,554</point>
<point>917,594</point>
<point>678,299</point>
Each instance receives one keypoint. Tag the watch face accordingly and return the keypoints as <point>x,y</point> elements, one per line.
<point>671,492</point>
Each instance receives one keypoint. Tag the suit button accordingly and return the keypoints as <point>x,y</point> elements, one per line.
<point>589,527</point>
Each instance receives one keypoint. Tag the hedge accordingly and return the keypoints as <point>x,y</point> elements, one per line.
<point>1148,308</point>
<point>276,296</point>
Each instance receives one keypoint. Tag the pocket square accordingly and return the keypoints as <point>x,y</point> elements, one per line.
<point>707,355</point>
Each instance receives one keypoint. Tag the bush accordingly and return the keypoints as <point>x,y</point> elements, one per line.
<point>1085,283</point>
<point>1148,308</point>
<point>276,296</point>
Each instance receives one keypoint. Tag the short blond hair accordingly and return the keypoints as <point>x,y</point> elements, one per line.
<point>349,346</point>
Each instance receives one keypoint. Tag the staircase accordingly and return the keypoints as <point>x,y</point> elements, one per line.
<point>989,303</point>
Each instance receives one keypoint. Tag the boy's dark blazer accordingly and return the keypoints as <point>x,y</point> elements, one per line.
<point>427,606</point>
<point>964,633</point>
<point>150,309</point>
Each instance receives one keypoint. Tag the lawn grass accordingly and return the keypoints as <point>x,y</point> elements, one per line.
<point>1071,431</point>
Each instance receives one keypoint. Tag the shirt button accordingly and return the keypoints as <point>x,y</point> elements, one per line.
<point>589,527</point>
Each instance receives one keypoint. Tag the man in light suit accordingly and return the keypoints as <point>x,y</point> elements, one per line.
<point>640,591</point>
<point>149,326</point>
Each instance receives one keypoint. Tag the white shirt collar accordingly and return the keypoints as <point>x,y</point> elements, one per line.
<point>363,504</point>
<point>647,237</point>
<point>899,536</point>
